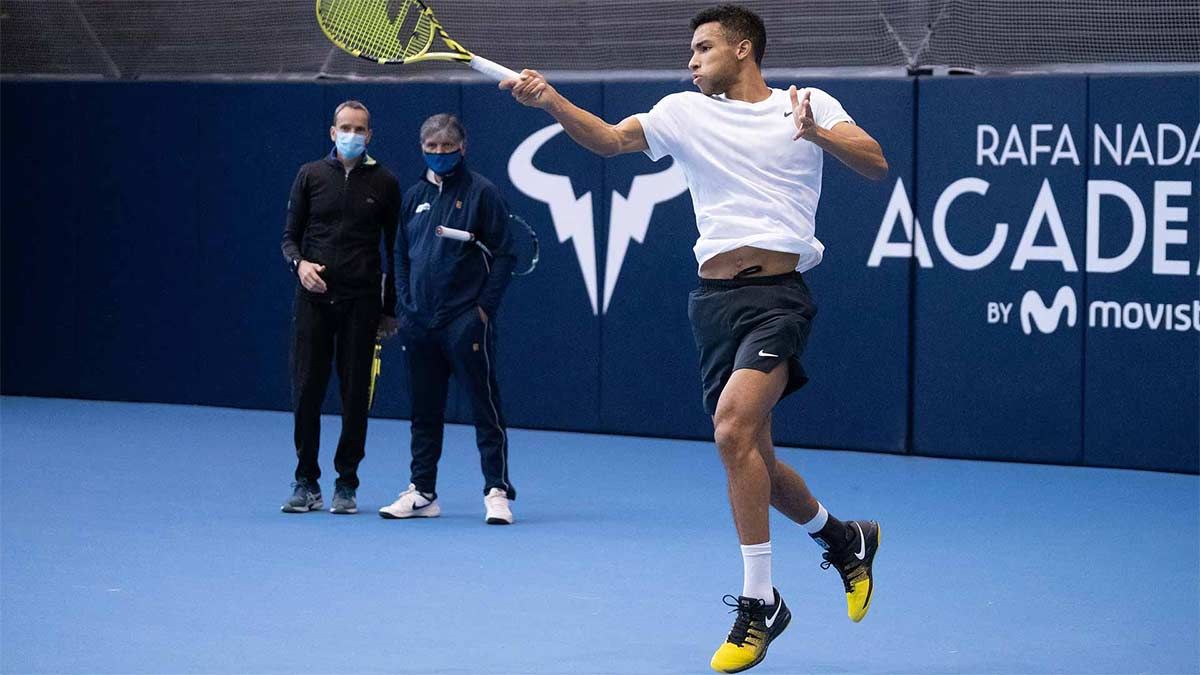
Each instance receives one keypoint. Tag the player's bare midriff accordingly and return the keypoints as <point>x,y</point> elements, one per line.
<point>748,261</point>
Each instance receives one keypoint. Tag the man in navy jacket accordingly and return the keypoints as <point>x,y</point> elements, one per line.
<point>448,293</point>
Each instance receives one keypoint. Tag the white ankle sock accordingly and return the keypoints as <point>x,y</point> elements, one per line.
<point>818,521</point>
<point>756,563</point>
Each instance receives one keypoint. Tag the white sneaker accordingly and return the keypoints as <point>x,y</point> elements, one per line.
<point>411,504</point>
<point>498,512</point>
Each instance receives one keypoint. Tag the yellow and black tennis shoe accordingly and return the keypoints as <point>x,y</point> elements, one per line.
<point>854,564</point>
<point>756,625</point>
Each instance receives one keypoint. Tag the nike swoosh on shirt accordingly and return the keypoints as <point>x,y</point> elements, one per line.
<point>788,113</point>
<point>861,554</point>
<point>766,354</point>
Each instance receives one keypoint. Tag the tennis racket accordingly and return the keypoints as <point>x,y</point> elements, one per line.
<point>376,368</point>
<point>523,239</point>
<point>396,31</point>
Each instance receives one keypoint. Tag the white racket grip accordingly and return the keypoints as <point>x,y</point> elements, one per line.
<point>451,233</point>
<point>492,69</point>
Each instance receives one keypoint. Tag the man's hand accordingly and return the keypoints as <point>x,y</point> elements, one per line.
<point>310,277</point>
<point>482,314</point>
<point>388,326</point>
<point>531,89</point>
<point>806,126</point>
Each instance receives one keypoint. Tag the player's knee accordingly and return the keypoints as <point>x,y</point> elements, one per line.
<point>735,436</point>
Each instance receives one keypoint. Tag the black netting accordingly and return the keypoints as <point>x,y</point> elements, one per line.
<point>134,39</point>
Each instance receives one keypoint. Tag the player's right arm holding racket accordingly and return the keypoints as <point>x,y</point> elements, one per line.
<point>583,127</point>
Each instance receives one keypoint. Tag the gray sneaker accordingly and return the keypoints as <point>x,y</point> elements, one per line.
<point>306,496</point>
<point>343,500</point>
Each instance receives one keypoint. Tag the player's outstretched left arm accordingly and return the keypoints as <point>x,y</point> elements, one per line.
<point>848,142</point>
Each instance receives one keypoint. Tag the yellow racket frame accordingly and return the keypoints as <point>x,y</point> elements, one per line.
<point>362,28</point>
<point>376,368</point>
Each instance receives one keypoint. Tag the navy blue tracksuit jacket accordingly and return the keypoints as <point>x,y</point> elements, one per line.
<point>440,286</point>
<point>437,278</point>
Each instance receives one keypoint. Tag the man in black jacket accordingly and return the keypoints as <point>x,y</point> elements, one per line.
<point>449,292</point>
<point>341,208</point>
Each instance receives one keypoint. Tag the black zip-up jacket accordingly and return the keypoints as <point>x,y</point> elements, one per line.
<point>437,279</point>
<point>336,219</point>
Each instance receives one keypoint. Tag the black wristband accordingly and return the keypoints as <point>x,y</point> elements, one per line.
<point>294,264</point>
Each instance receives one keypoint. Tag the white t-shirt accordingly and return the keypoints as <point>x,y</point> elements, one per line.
<point>751,184</point>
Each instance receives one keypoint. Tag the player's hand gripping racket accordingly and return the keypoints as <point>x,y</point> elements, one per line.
<point>524,243</point>
<point>396,31</point>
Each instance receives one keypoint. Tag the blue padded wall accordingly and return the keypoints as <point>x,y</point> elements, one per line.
<point>141,227</point>
<point>984,389</point>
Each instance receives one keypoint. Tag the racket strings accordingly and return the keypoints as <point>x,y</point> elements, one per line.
<point>366,29</point>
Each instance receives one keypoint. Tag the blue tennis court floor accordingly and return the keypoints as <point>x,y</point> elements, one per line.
<point>148,539</point>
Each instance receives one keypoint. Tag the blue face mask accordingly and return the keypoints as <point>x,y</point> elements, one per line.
<point>443,163</point>
<point>351,145</point>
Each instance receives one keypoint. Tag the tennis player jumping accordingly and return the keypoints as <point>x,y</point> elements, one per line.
<point>753,157</point>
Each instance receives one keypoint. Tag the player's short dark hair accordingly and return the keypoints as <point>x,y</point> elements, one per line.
<point>443,122</point>
<point>738,23</point>
<point>354,105</point>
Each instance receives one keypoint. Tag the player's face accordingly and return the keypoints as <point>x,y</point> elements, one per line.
<point>714,63</point>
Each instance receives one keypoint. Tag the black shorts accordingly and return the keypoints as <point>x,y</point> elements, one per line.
<point>754,322</point>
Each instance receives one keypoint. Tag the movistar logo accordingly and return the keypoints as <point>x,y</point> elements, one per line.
<point>628,221</point>
<point>1035,312</point>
